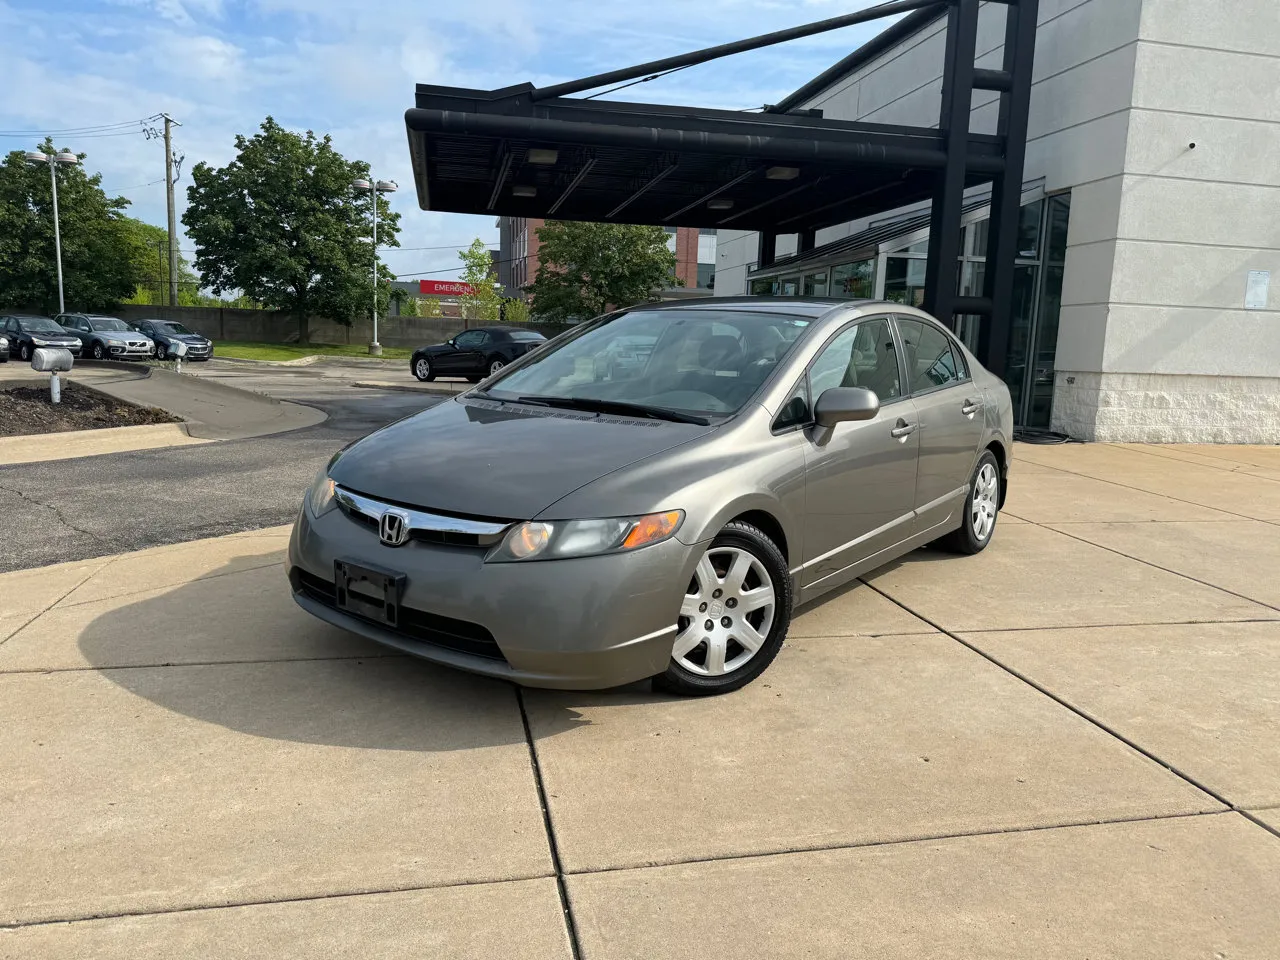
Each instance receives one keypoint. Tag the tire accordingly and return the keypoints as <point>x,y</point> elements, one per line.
<point>494,365</point>
<point>98,352</point>
<point>981,509</point>
<point>696,671</point>
<point>422,369</point>
<point>24,352</point>
<point>162,351</point>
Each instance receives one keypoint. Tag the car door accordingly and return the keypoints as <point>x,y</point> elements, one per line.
<point>949,406</point>
<point>468,358</point>
<point>860,476</point>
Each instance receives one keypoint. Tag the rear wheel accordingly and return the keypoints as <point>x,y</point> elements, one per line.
<point>981,509</point>
<point>496,364</point>
<point>734,616</point>
<point>422,369</point>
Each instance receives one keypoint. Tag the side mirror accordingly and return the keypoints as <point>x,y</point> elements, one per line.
<point>843,404</point>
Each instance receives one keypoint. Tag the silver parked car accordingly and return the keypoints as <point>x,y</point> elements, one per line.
<point>107,338</point>
<point>576,524</point>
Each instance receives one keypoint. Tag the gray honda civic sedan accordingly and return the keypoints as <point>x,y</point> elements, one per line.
<point>577,524</point>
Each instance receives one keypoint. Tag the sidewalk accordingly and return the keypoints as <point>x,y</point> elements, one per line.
<point>1067,746</point>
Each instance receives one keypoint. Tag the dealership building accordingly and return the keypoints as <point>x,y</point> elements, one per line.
<point>1145,300</point>
<point>1103,174</point>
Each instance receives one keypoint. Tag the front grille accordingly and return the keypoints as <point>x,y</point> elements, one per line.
<point>432,629</point>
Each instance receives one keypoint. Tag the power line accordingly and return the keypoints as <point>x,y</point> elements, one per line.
<point>427,273</point>
<point>72,131</point>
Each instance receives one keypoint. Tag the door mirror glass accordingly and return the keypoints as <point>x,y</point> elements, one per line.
<point>844,404</point>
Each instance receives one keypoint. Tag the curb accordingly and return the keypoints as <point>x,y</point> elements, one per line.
<point>306,361</point>
<point>440,391</point>
<point>74,444</point>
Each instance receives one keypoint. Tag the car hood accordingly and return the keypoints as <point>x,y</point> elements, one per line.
<point>488,459</point>
<point>193,338</point>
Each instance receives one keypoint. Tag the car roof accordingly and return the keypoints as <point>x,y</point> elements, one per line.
<point>27,316</point>
<point>794,306</point>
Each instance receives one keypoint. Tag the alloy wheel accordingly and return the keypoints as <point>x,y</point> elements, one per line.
<point>97,351</point>
<point>422,369</point>
<point>986,502</point>
<point>727,613</point>
<point>495,367</point>
<point>161,351</point>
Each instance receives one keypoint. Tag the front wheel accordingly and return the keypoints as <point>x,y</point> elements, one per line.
<point>98,352</point>
<point>981,509</point>
<point>24,352</point>
<point>734,616</point>
<point>162,351</point>
<point>422,369</point>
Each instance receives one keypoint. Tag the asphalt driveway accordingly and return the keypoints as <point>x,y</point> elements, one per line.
<point>1067,746</point>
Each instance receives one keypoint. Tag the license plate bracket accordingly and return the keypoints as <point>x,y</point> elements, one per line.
<point>368,592</point>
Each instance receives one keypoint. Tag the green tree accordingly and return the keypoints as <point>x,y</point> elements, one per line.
<point>515,311</point>
<point>97,267</point>
<point>586,268</point>
<point>150,254</point>
<point>430,307</point>
<point>477,270</point>
<point>409,306</point>
<point>282,225</point>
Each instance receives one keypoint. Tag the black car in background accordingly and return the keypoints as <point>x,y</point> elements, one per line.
<point>168,332</point>
<point>25,333</point>
<point>474,354</point>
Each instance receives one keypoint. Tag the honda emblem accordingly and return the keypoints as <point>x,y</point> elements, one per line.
<point>393,528</point>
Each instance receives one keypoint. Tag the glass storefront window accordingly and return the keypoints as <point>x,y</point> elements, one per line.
<point>706,275</point>
<point>975,244</point>
<point>904,280</point>
<point>1029,230</point>
<point>764,288</point>
<point>857,281</point>
<point>789,287</point>
<point>815,285</point>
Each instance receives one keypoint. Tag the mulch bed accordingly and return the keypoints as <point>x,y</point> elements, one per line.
<point>27,410</point>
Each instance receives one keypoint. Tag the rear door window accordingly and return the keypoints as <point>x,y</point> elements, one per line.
<point>930,357</point>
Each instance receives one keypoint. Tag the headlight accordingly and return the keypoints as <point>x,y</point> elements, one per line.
<point>559,539</point>
<point>40,343</point>
<point>114,343</point>
<point>320,494</point>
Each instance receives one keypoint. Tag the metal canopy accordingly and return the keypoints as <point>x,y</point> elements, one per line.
<point>665,165</point>
<point>540,153</point>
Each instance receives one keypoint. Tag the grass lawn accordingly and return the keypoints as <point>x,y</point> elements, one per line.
<point>294,351</point>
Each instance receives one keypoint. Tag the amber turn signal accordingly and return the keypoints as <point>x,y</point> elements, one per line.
<point>651,529</point>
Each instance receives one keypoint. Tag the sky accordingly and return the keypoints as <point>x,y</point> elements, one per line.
<point>348,69</point>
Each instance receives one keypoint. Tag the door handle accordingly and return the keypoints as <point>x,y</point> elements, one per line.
<point>971,407</point>
<point>902,431</point>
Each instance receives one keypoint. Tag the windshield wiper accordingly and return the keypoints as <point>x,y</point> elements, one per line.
<point>616,406</point>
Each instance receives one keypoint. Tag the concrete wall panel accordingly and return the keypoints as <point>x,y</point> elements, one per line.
<point>1201,212</point>
<point>1186,275</point>
<point>1211,82</point>
<point>1184,340</point>
<point>1226,150</point>
<point>1247,26</point>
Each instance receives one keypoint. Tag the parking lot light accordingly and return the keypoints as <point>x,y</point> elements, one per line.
<point>67,159</point>
<point>373,189</point>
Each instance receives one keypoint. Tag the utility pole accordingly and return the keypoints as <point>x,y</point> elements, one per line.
<point>173,223</point>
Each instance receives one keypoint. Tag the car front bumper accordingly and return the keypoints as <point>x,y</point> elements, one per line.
<point>574,624</point>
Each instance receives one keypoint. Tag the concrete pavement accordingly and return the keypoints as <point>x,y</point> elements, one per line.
<point>1064,747</point>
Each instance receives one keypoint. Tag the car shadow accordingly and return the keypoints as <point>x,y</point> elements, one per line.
<point>234,650</point>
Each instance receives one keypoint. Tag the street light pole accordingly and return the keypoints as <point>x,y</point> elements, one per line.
<point>373,188</point>
<point>69,159</point>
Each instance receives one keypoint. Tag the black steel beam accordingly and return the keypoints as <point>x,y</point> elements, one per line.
<point>503,167</point>
<point>800,149</point>
<point>980,306</point>
<point>654,67</point>
<point>1006,195</point>
<point>573,185</point>
<point>948,193</point>
<point>768,249</point>
<point>648,185</point>
<point>772,200</point>
<point>1000,80</point>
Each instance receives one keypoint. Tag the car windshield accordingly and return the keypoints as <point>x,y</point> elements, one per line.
<point>698,362</point>
<point>109,323</point>
<point>172,326</point>
<point>39,325</point>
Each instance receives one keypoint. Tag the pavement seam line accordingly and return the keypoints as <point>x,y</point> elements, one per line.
<point>571,925</point>
<point>179,583</point>
<point>902,841</point>
<point>205,907</point>
<point>1248,815</point>
<point>1176,573</point>
<point>1129,486</point>
<point>41,613</point>
<point>1063,702</point>
<point>1241,467</point>
<point>1111,626</point>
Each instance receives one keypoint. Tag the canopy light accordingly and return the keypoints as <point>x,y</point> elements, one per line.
<point>524,190</point>
<point>782,173</point>
<point>720,204</point>
<point>543,156</point>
